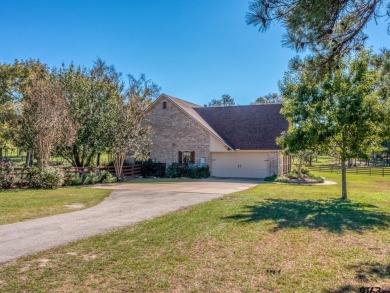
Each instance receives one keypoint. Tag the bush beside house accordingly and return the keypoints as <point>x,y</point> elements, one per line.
<point>293,177</point>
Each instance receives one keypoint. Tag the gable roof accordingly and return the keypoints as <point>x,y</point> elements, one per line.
<point>189,109</point>
<point>253,127</point>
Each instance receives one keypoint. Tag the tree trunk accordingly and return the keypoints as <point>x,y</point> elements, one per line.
<point>343,180</point>
<point>1,153</point>
<point>98,159</point>
<point>118,164</point>
<point>76,157</point>
<point>30,158</point>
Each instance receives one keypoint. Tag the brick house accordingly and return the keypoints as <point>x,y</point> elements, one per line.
<point>235,141</point>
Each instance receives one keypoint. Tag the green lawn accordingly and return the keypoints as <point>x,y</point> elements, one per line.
<point>272,238</point>
<point>20,205</point>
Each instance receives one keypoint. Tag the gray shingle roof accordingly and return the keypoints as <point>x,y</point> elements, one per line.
<point>253,127</point>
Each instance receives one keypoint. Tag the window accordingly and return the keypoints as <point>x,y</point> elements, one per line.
<point>164,105</point>
<point>186,157</point>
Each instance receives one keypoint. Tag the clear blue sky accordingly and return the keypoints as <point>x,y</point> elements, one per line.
<point>196,50</point>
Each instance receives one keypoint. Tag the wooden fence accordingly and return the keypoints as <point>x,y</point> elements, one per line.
<point>129,171</point>
<point>383,171</point>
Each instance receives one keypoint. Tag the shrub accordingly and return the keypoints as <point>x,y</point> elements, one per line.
<point>319,179</point>
<point>152,169</point>
<point>107,177</point>
<point>72,179</point>
<point>173,171</point>
<point>305,170</point>
<point>291,175</point>
<point>270,178</point>
<point>282,179</point>
<point>188,171</point>
<point>7,181</point>
<point>6,167</point>
<point>46,178</point>
<point>91,178</point>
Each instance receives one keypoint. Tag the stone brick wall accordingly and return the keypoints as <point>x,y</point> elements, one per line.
<point>173,131</point>
<point>275,163</point>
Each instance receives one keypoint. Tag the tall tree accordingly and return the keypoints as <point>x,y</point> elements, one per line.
<point>12,77</point>
<point>43,114</point>
<point>226,100</point>
<point>91,97</point>
<point>130,132</point>
<point>272,98</point>
<point>330,29</point>
<point>341,113</point>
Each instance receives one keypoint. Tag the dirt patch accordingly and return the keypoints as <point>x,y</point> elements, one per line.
<point>43,262</point>
<point>89,257</point>
<point>75,205</point>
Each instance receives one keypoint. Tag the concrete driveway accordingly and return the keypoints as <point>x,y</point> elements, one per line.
<point>128,204</point>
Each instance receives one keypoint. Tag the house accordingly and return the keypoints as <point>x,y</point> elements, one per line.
<point>235,141</point>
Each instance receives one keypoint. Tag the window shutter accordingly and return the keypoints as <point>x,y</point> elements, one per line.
<point>180,157</point>
<point>192,159</point>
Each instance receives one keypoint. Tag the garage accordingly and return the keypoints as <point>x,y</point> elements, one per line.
<point>239,165</point>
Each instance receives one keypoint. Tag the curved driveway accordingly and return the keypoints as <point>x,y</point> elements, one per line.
<point>127,204</point>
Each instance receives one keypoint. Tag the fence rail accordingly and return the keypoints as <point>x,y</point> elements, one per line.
<point>383,171</point>
<point>129,171</point>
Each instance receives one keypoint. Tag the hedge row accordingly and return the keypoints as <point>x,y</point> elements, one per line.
<point>49,178</point>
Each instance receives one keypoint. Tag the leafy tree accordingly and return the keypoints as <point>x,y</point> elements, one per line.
<point>272,98</point>
<point>130,132</point>
<point>142,89</point>
<point>225,101</point>
<point>43,114</point>
<point>342,113</point>
<point>13,79</point>
<point>7,122</point>
<point>91,99</point>
<point>9,80</point>
<point>330,29</point>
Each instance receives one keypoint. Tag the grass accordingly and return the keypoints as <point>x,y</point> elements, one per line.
<point>22,205</point>
<point>271,238</point>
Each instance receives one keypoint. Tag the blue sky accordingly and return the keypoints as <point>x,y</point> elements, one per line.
<point>196,50</point>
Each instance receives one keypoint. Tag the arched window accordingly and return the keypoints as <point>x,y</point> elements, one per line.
<point>164,105</point>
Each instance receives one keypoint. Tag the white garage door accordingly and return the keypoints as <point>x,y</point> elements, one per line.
<point>240,165</point>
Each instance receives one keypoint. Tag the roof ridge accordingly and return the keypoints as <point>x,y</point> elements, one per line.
<point>273,104</point>
<point>190,110</point>
<point>190,103</point>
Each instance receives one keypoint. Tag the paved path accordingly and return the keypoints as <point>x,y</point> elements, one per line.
<point>128,204</point>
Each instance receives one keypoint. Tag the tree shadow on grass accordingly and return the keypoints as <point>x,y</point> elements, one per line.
<point>365,271</point>
<point>334,215</point>
<point>366,275</point>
